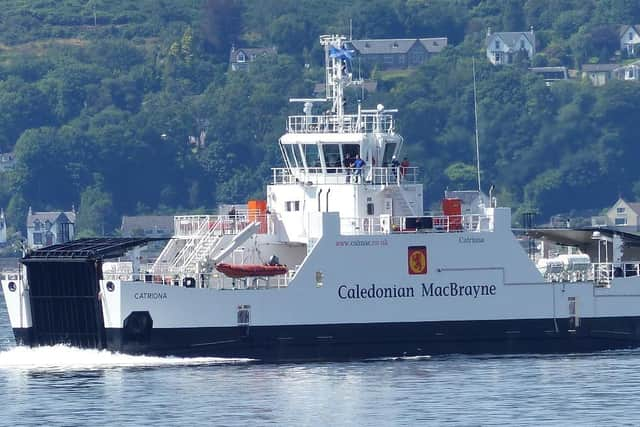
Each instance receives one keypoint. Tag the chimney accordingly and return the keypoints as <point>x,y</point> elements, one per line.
<point>488,31</point>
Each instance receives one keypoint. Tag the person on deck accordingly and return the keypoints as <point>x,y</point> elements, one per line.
<point>404,166</point>
<point>394,167</point>
<point>358,164</point>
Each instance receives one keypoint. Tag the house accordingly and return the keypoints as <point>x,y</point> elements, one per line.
<point>623,215</point>
<point>502,47</point>
<point>630,39</point>
<point>551,74</point>
<point>147,226</point>
<point>3,228</point>
<point>598,74</point>
<point>240,58</point>
<point>7,161</point>
<point>50,228</point>
<point>397,54</point>
<point>628,72</point>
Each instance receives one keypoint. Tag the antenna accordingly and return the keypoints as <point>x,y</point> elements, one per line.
<point>475,113</point>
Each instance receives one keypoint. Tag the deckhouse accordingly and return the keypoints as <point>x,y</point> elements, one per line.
<point>321,173</point>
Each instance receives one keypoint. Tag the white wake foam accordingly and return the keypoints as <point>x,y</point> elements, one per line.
<point>64,358</point>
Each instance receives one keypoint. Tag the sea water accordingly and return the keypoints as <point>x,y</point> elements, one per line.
<point>65,386</point>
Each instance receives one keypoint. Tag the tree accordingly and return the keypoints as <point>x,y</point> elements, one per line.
<point>95,213</point>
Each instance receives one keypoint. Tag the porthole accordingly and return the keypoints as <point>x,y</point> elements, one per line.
<point>110,286</point>
<point>12,286</point>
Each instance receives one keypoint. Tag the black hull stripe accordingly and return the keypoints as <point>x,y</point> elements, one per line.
<point>361,341</point>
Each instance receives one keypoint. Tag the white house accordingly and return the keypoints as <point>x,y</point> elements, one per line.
<point>599,74</point>
<point>630,39</point>
<point>628,72</point>
<point>50,228</point>
<point>503,47</point>
<point>623,215</point>
<point>7,161</point>
<point>3,228</point>
<point>240,58</point>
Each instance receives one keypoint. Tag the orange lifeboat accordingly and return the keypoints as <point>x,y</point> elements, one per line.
<point>250,270</point>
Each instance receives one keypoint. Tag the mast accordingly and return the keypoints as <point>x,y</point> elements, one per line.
<point>475,112</point>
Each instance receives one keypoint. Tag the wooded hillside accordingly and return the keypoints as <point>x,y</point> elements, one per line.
<point>98,100</point>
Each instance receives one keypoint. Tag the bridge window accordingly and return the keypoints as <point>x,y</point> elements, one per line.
<point>311,155</point>
<point>331,156</point>
<point>292,158</point>
<point>389,149</point>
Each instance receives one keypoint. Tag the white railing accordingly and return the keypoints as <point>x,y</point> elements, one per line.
<point>188,226</point>
<point>368,175</point>
<point>601,273</point>
<point>386,224</point>
<point>213,280</point>
<point>604,272</point>
<point>349,123</point>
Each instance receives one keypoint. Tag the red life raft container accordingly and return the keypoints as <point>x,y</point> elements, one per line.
<point>250,270</point>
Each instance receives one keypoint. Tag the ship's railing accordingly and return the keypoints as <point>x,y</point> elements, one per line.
<point>349,123</point>
<point>338,175</point>
<point>604,272</point>
<point>386,224</point>
<point>601,273</point>
<point>188,226</point>
<point>213,280</point>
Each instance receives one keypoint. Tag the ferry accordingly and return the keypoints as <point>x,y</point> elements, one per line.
<point>339,262</point>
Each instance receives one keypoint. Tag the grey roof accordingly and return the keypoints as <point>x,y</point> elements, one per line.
<point>158,223</point>
<point>391,46</point>
<point>434,45</point>
<point>631,64</point>
<point>52,217</point>
<point>623,29</point>
<point>635,207</point>
<point>599,68</point>
<point>251,52</point>
<point>543,69</point>
<point>510,38</point>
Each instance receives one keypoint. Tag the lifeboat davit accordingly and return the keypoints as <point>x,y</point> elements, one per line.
<point>250,270</point>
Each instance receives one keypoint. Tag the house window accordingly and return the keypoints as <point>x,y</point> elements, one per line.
<point>497,57</point>
<point>497,44</point>
<point>621,220</point>
<point>388,59</point>
<point>630,35</point>
<point>521,44</point>
<point>630,73</point>
<point>620,210</point>
<point>401,59</point>
<point>242,57</point>
<point>37,238</point>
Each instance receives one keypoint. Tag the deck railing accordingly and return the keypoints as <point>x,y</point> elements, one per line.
<point>386,224</point>
<point>213,280</point>
<point>338,175</point>
<point>187,226</point>
<point>350,123</point>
